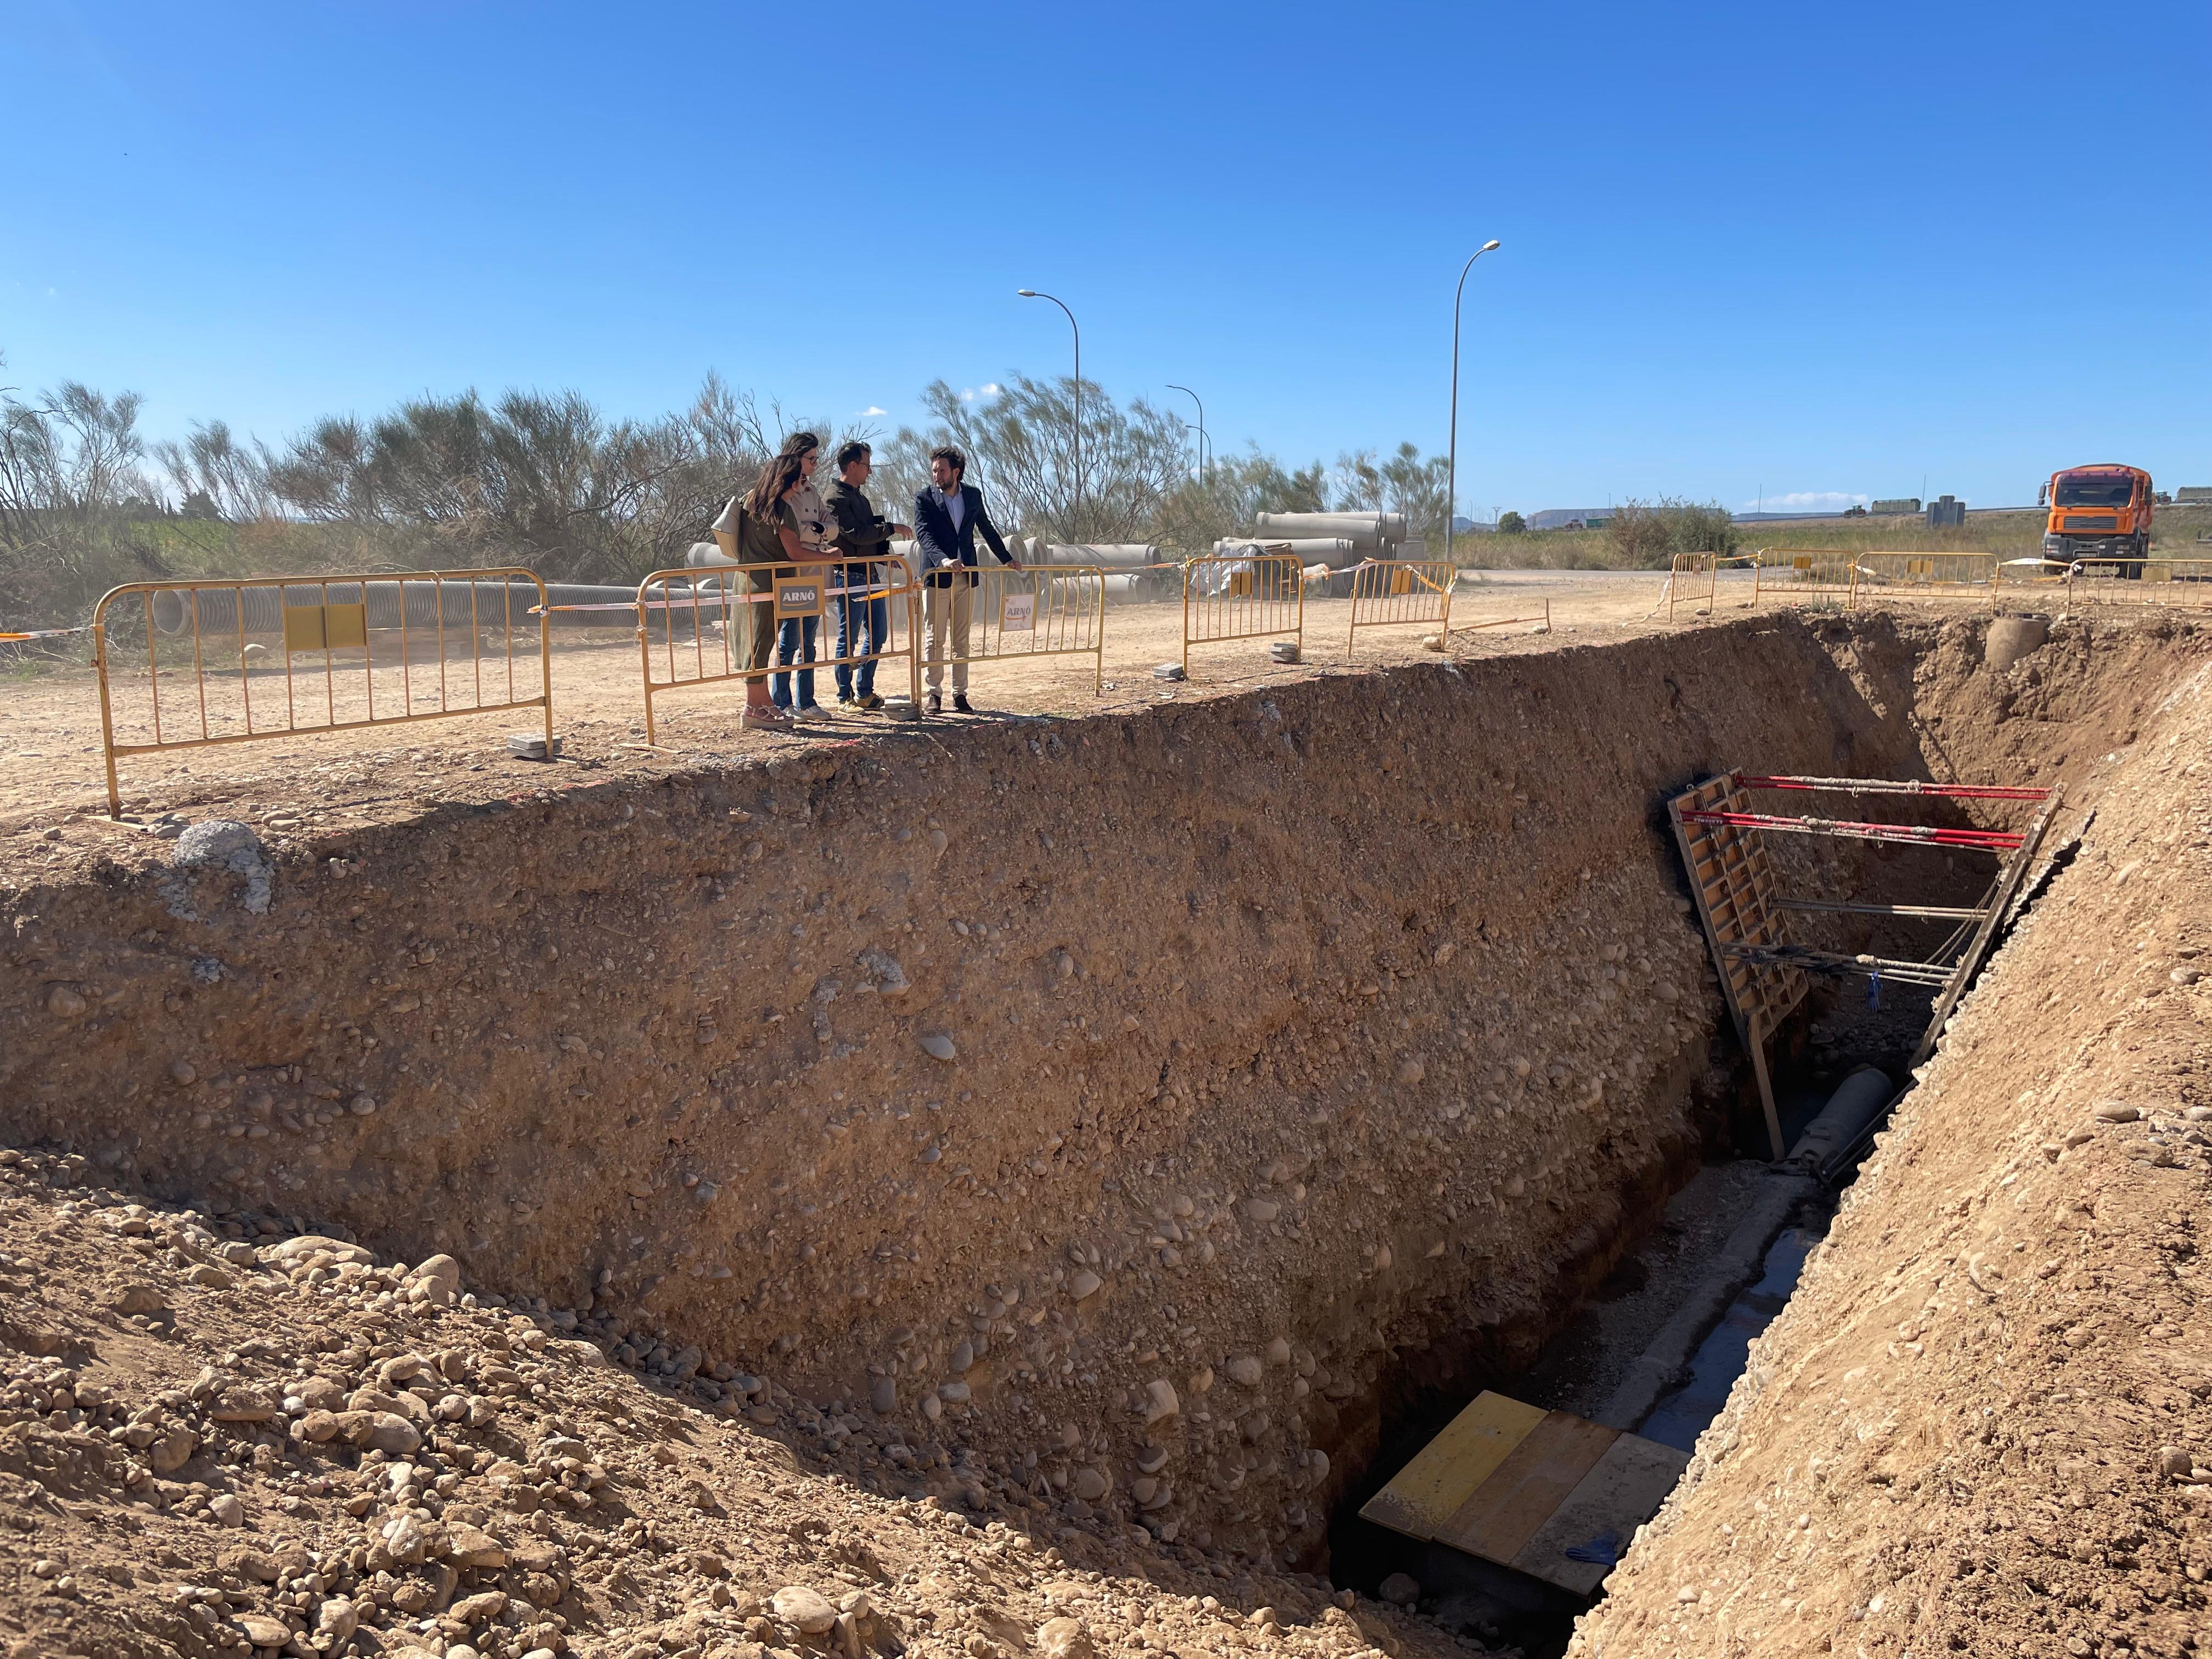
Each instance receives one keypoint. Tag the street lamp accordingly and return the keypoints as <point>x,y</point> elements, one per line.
<point>1075,509</point>
<point>1451,506</point>
<point>1194,397</point>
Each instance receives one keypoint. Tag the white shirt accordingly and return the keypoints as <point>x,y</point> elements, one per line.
<point>955,505</point>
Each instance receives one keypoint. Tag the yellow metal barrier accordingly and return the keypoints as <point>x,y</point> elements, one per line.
<point>1391,593</point>
<point>1247,596</point>
<point>1803,575</point>
<point>285,656</point>
<point>1035,610</point>
<point>709,626</point>
<point>1927,575</point>
<point>2181,583</point>
<point>1685,572</point>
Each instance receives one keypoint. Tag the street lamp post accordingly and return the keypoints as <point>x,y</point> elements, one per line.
<point>1075,508</point>
<point>1451,506</point>
<point>1194,397</point>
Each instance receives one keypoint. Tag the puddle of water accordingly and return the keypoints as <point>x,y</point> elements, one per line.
<point>1680,1418</point>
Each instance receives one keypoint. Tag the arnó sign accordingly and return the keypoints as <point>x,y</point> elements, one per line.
<point>798,596</point>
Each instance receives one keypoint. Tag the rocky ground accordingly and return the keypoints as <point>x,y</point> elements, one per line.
<point>219,1438</point>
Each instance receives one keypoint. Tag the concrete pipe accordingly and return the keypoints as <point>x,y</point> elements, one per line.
<point>1106,555</point>
<point>1389,529</point>
<point>497,603</point>
<point>1365,529</point>
<point>1334,551</point>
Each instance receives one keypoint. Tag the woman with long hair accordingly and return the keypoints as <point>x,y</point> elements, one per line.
<point>816,531</point>
<point>760,528</point>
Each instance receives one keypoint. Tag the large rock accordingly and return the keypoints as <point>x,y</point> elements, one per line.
<point>804,1610</point>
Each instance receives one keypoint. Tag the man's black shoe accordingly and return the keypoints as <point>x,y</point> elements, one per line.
<point>936,703</point>
<point>960,702</point>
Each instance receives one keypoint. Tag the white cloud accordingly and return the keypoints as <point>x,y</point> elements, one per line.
<point>872,409</point>
<point>990,388</point>
<point>1804,500</point>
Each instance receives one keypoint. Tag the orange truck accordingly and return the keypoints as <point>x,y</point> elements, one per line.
<point>2100,515</point>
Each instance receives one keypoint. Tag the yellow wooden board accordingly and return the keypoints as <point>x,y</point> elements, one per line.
<point>1623,1490</point>
<point>1431,1488</point>
<point>1528,1485</point>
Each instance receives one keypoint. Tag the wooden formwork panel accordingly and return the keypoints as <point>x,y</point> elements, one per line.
<point>1733,883</point>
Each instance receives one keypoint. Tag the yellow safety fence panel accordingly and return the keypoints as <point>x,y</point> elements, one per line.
<point>1392,593</point>
<point>1692,580</point>
<point>182,664</point>
<point>1242,597</point>
<point>1913,575</point>
<point>1035,610</point>
<point>718,625</point>
<point>1803,575</point>
<point>2183,584</point>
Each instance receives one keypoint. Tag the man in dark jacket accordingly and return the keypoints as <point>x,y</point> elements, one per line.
<point>947,517</point>
<point>864,533</point>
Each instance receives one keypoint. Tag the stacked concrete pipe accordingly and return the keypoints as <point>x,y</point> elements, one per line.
<point>421,602</point>
<point>1334,551</point>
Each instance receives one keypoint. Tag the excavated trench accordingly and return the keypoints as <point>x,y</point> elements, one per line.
<point>1142,1120</point>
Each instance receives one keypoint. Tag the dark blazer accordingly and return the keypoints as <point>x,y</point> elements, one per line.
<point>940,546</point>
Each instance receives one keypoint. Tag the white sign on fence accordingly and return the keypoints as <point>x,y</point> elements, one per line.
<point>1018,614</point>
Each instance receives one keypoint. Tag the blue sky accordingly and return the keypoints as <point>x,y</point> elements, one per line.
<point>1788,250</point>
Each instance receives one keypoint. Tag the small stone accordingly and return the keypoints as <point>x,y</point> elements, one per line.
<point>392,1435</point>
<point>882,1395</point>
<point>963,1357</point>
<point>261,1630</point>
<point>1090,1484</point>
<point>1151,1459</point>
<point>1160,1401</point>
<point>136,1299</point>
<point>1200,1380</point>
<point>806,1611</point>
<point>472,1549</point>
<point>1515,1186</point>
<point>932,1406</point>
<point>362,1105</point>
<point>1410,1072</point>
<point>1262,1209</point>
<point>229,1512</point>
<point>440,1270</point>
<point>172,1451</point>
<point>937,1046</point>
<point>1064,1638</point>
<point>1400,1589</point>
<point>1278,1351</point>
<point>65,1003</point>
<point>315,1427</point>
<point>2186,976</point>
<point>954,1394</point>
<point>337,1618</point>
<point>208,1277</point>
<point>480,1608</point>
<point>2116,1111</point>
<point>182,1073</point>
<point>1084,1283</point>
<point>1686,1595</point>
<point>1383,1258</point>
<point>1444,953</point>
<point>1246,1370</point>
<point>2174,1463</point>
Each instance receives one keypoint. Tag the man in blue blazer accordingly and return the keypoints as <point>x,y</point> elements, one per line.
<point>947,518</point>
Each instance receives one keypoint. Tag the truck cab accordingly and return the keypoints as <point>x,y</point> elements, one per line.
<point>2100,515</point>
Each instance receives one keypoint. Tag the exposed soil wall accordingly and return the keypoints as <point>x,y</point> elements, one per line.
<point>1982,1426</point>
<point>1114,1103</point>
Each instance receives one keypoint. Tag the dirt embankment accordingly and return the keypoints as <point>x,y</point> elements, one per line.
<point>1984,1424</point>
<point>1102,1115</point>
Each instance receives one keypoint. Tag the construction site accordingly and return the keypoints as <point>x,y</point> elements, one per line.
<point>1589,1137</point>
